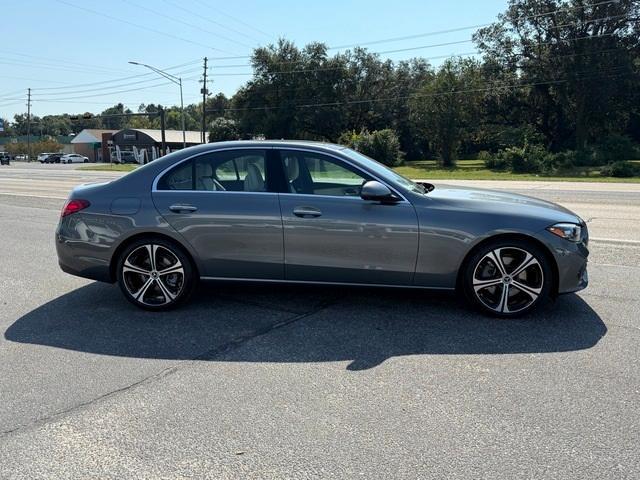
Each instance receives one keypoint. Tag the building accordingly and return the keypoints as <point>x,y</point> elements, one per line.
<point>92,143</point>
<point>147,139</point>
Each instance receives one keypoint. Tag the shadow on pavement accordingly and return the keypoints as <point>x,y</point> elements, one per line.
<point>362,325</point>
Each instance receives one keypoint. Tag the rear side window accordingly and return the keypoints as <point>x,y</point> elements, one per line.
<point>180,178</point>
<point>230,170</point>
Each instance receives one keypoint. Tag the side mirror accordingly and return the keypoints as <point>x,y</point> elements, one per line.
<point>373,190</point>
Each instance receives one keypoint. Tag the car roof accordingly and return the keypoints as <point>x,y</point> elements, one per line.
<point>279,144</point>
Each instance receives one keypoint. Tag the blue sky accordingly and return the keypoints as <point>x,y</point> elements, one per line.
<point>60,50</point>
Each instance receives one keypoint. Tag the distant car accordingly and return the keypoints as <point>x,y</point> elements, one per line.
<point>53,158</point>
<point>74,158</point>
<point>126,157</point>
<point>5,158</point>
<point>22,157</point>
<point>42,157</point>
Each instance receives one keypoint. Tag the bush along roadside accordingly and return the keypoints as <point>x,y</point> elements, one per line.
<point>535,158</point>
<point>382,145</point>
<point>620,170</point>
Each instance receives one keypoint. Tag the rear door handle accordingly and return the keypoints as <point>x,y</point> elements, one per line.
<point>182,208</point>
<point>306,212</point>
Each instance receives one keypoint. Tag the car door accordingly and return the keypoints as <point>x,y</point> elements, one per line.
<point>333,235</point>
<point>223,205</point>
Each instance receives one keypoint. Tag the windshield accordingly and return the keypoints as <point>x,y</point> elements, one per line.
<point>385,171</point>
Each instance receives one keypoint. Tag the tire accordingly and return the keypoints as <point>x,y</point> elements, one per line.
<point>145,285</point>
<point>516,268</point>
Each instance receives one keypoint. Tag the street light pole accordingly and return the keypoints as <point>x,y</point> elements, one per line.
<point>177,81</point>
<point>184,135</point>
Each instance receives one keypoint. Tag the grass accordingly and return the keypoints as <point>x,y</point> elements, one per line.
<point>464,170</point>
<point>475,170</point>
<point>110,167</point>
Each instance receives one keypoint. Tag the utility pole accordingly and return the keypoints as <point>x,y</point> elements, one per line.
<point>28,124</point>
<point>204,102</point>
<point>162,130</point>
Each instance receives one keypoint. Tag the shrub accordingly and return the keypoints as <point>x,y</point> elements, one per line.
<point>566,160</point>
<point>223,129</point>
<point>531,158</point>
<point>484,156</point>
<point>614,148</point>
<point>381,145</point>
<point>620,170</point>
<point>493,162</point>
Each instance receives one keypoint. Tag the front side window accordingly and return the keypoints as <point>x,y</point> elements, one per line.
<point>317,174</point>
<point>230,170</point>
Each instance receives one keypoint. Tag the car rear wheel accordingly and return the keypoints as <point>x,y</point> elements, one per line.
<point>508,278</point>
<point>155,274</point>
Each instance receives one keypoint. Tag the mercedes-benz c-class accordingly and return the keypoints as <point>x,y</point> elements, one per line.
<point>302,212</point>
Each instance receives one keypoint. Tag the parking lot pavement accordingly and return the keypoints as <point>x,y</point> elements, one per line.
<point>261,382</point>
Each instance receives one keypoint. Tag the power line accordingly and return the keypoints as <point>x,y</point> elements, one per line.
<point>242,22</point>
<point>137,25</point>
<point>11,104</point>
<point>459,42</point>
<point>118,79</point>
<point>206,19</point>
<point>102,89</point>
<point>113,93</point>
<point>588,37</point>
<point>48,66</point>
<point>60,61</point>
<point>191,25</point>
<point>28,79</point>
<point>460,29</point>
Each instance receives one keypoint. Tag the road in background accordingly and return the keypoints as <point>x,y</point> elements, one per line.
<point>612,210</point>
<point>309,382</point>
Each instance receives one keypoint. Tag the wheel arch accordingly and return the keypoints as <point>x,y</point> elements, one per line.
<point>147,235</point>
<point>512,236</point>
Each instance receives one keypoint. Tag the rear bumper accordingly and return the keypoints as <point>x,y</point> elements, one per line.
<point>75,258</point>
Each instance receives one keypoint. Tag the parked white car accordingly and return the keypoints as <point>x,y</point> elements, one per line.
<point>73,158</point>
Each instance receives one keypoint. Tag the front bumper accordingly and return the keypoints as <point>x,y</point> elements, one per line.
<point>571,261</point>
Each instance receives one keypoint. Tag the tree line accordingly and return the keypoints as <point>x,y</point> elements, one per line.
<point>554,78</point>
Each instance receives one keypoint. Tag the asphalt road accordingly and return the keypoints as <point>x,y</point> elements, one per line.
<point>290,382</point>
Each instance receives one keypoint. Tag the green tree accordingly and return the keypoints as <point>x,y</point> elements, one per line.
<point>115,123</point>
<point>447,107</point>
<point>578,63</point>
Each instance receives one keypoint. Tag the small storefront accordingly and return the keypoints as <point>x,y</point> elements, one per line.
<point>150,141</point>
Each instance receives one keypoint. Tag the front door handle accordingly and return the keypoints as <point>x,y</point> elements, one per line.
<point>182,208</point>
<point>306,212</point>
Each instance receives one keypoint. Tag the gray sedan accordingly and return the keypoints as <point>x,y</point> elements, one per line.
<point>302,212</point>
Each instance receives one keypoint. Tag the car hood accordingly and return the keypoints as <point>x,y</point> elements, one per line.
<point>500,202</point>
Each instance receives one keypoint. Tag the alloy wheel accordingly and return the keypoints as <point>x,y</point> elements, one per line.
<point>508,280</point>
<point>153,275</point>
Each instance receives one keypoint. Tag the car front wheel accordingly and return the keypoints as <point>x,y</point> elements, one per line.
<point>508,278</point>
<point>155,274</point>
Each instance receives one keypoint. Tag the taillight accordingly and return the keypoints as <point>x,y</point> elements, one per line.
<point>74,206</point>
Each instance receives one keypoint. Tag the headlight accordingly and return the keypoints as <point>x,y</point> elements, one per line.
<point>568,231</point>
